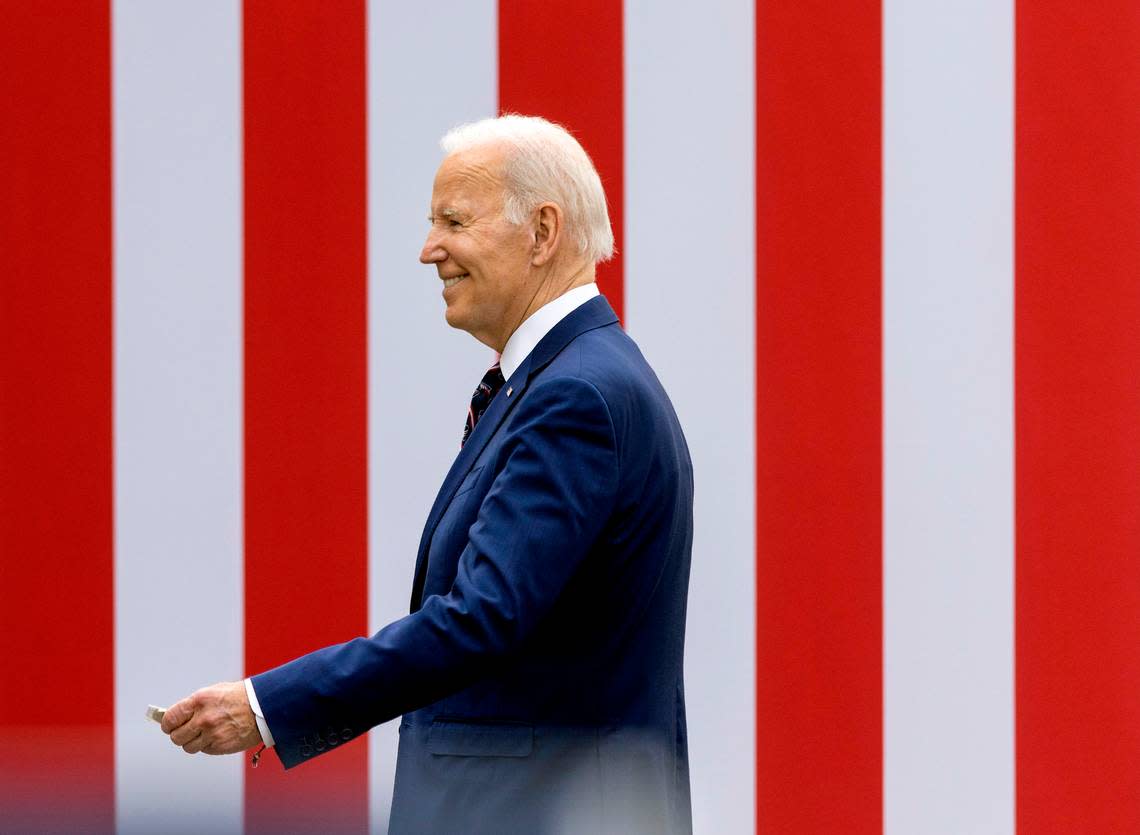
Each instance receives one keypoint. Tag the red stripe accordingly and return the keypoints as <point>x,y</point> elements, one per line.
<point>1078,416</point>
<point>56,571</point>
<point>305,374</point>
<point>564,62</point>
<point>818,384</point>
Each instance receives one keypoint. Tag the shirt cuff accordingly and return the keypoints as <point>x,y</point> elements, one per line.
<point>262,725</point>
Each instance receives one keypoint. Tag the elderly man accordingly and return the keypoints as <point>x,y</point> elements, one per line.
<point>539,673</point>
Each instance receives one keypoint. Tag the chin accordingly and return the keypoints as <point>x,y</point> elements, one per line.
<point>454,318</point>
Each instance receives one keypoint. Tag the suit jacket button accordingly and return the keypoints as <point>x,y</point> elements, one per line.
<point>346,734</point>
<point>306,750</point>
<point>320,745</point>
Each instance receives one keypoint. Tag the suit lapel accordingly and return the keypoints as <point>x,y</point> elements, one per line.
<point>593,314</point>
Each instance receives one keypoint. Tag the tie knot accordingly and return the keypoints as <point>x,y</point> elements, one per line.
<point>492,381</point>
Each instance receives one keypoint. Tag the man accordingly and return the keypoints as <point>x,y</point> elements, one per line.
<point>539,672</point>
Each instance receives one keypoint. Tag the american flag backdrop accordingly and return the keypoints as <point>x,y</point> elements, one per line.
<point>885,257</point>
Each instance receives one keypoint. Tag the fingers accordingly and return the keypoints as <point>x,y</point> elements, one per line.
<point>179,713</point>
<point>214,720</point>
<point>198,743</point>
<point>185,734</point>
<point>181,725</point>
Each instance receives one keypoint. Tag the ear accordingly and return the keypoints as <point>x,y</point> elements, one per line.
<point>548,221</point>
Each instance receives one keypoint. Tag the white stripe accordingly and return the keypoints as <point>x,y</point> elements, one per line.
<point>689,301</point>
<point>426,72</point>
<point>948,417</point>
<point>178,395</point>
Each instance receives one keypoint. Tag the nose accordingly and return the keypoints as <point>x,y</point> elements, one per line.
<point>433,252</point>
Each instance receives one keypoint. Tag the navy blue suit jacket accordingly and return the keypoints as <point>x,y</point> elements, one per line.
<point>539,672</point>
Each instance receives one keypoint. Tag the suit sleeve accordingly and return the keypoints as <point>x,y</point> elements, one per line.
<point>544,510</point>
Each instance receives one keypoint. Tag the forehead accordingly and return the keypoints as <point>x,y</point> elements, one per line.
<point>468,176</point>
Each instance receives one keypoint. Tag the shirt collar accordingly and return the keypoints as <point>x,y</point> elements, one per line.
<point>539,324</point>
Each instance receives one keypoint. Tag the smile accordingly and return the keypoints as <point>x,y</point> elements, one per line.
<point>451,282</point>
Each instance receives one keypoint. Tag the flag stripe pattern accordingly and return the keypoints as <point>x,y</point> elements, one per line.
<point>947,387</point>
<point>882,255</point>
<point>305,430</point>
<point>56,569</point>
<point>818,416</point>
<point>1078,417</point>
<point>179,621</point>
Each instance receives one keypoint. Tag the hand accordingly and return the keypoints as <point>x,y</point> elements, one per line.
<point>214,720</point>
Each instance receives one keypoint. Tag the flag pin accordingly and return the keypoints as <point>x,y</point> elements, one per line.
<point>509,390</point>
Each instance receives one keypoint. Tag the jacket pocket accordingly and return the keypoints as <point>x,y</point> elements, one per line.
<point>468,482</point>
<point>480,739</point>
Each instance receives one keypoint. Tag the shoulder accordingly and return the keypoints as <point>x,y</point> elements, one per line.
<point>557,397</point>
<point>610,361</point>
<point>605,357</point>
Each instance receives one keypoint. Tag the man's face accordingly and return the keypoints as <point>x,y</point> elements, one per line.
<point>483,260</point>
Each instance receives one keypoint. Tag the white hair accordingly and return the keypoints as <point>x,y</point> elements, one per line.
<point>544,163</point>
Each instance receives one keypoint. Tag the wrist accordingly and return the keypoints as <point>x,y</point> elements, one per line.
<point>258,716</point>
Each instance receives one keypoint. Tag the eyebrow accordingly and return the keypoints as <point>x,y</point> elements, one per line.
<point>444,213</point>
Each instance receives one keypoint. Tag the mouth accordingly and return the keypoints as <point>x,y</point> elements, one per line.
<point>451,282</point>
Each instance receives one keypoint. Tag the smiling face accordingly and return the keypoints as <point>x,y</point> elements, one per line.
<point>483,260</point>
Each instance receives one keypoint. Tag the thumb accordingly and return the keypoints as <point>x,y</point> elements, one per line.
<point>178,715</point>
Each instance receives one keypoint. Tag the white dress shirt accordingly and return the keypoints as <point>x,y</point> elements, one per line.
<point>518,347</point>
<point>539,324</point>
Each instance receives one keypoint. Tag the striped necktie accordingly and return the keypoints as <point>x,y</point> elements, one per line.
<point>484,393</point>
